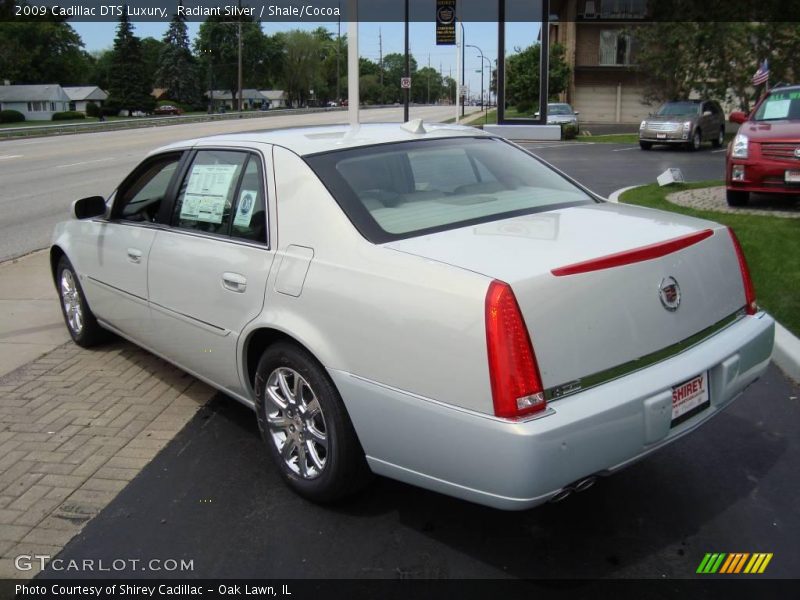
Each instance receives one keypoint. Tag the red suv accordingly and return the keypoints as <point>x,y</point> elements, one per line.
<point>764,157</point>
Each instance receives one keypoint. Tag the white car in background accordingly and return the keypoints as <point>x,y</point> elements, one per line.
<point>424,302</point>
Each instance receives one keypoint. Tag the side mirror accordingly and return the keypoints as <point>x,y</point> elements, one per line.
<point>707,113</point>
<point>577,113</point>
<point>86,208</point>
<point>737,116</point>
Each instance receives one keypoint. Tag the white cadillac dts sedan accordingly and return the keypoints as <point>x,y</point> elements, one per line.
<point>425,302</point>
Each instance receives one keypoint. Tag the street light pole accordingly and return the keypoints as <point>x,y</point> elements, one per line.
<point>408,71</point>
<point>482,59</point>
<point>463,81</point>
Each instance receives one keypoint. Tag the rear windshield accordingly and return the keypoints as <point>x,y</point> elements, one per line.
<point>678,108</point>
<point>779,106</point>
<point>401,190</point>
<point>559,109</point>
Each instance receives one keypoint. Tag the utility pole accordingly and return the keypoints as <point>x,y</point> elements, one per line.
<point>240,63</point>
<point>380,60</point>
<point>429,77</point>
<point>407,91</point>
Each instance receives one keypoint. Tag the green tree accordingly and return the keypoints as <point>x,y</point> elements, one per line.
<point>394,68</point>
<point>301,64</point>
<point>177,68</point>
<point>522,76</point>
<point>428,86</point>
<point>217,44</point>
<point>45,51</point>
<point>100,67</point>
<point>129,86</point>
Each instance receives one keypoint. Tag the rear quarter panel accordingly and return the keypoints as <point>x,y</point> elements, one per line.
<point>400,320</point>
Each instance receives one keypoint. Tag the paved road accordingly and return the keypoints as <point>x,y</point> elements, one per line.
<point>211,496</point>
<point>41,177</point>
<point>604,168</point>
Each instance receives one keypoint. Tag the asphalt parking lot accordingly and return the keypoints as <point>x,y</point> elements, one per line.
<point>605,168</point>
<point>212,496</point>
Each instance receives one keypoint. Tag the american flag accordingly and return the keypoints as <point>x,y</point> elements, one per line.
<point>762,75</point>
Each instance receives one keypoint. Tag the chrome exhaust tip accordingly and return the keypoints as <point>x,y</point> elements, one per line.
<point>562,495</point>
<point>585,484</point>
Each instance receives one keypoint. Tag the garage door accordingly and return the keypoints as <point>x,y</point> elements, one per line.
<point>596,103</point>
<point>633,109</point>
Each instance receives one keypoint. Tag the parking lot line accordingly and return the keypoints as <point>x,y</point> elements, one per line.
<point>8,156</point>
<point>624,149</point>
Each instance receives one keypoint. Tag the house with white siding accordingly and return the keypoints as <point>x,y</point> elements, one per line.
<point>36,102</point>
<point>79,97</point>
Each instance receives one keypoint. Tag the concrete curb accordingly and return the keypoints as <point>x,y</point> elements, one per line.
<point>787,346</point>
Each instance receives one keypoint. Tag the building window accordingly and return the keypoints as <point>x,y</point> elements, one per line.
<point>37,106</point>
<point>615,48</point>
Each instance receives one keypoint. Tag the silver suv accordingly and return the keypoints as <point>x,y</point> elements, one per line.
<point>687,122</point>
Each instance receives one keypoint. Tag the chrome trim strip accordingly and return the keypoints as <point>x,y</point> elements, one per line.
<point>584,383</point>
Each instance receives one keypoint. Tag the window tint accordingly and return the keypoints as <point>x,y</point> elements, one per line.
<point>205,199</point>
<point>250,214</point>
<point>393,191</point>
<point>141,198</point>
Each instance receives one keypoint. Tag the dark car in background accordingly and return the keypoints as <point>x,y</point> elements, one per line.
<point>684,122</point>
<point>764,157</point>
<point>167,109</point>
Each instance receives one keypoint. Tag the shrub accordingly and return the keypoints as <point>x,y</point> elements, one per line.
<point>568,131</point>
<point>11,116</point>
<point>68,115</point>
<point>92,110</point>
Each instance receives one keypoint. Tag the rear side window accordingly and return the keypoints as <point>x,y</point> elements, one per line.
<point>206,196</point>
<point>250,214</point>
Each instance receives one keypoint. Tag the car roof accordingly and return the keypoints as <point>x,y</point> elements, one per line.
<point>313,140</point>
<point>785,88</point>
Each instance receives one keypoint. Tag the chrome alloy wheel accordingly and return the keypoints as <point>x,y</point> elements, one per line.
<point>71,299</point>
<point>296,423</point>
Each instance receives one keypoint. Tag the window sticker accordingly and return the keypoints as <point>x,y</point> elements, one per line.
<point>244,210</point>
<point>207,192</point>
<point>776,109</point>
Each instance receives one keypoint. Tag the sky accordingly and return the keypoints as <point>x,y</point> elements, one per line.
<point>422,41</point>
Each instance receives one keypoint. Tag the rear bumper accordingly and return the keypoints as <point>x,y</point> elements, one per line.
<point>517,465</point>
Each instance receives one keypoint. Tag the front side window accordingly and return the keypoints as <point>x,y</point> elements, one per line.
<point>401,190</point>
<point>140,197</point>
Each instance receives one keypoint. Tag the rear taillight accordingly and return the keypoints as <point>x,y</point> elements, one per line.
<point>749,290</point>
<point>516,383</point>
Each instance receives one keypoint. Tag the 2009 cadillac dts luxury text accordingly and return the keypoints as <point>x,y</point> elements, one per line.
<point>423,302</point>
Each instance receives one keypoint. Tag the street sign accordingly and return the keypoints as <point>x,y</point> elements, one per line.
<point>445,22</point>
<point>405,83</point>
<point>464,90</point>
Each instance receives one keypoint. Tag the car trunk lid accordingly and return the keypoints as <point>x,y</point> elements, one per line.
<point>586,316</point>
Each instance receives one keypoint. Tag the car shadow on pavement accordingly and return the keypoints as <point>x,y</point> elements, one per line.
<point>211,496</point>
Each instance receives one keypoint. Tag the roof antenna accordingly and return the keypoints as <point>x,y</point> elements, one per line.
<point>414,126</point>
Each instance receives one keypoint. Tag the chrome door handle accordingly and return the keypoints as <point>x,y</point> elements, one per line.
<point>234,282</point>
<point>134,255</point>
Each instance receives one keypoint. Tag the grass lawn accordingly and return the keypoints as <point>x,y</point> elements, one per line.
<point>771,245</point>
<point>611,138</point>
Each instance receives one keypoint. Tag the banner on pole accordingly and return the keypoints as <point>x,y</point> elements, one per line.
<point>445,22</point>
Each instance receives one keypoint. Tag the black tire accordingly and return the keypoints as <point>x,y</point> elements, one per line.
<point>697,141</point>
<point>720,139</point>
<point>73,302</point>
<point>737,197</point>
<point>645,145</point>
<point>344,469</point>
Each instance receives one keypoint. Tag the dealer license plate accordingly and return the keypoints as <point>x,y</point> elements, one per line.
<point>792,176</point>
<point>689,398</point>
<point>661,136</point>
